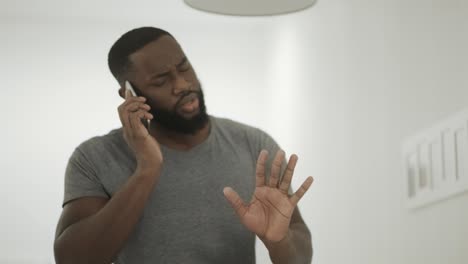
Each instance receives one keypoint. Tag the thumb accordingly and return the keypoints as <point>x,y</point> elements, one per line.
<point>128,94</point>
<point>235,201</point>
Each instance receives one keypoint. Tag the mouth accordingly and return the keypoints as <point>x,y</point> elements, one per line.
<point>189,103</point>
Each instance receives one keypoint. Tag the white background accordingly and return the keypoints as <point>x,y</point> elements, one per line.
<point>341,84</point>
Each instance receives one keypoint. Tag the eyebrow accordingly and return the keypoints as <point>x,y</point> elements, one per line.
<point>162,74</point>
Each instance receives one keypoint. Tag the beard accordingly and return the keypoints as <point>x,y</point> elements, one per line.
<point>173,121</point>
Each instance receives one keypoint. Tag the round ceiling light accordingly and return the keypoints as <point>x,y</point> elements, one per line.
<point>250,7</point>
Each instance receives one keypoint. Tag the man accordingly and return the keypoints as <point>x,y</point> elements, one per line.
<point>154,194</point>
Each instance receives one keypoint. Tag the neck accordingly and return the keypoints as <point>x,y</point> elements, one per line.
<point>179,141</point>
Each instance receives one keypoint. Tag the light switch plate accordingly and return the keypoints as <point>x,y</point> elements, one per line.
<point>435,161</point>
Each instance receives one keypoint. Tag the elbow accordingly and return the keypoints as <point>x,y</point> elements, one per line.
<point>65,254</point>
<point>310,249</point>
<point>308,246</point>
<point>304,245</point>
<point>59,253</point>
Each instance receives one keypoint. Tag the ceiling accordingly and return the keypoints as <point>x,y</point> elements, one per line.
<point>96,10</point>
<point>140,10</point>
<point>250,7</point>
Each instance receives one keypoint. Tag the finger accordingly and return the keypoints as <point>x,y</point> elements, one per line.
<point>260,170</point>
<point>125,110</point>
<point>135,119</point>
<point>128,94</point>
<point>124,113</point>
<point>134,106</point>
<point>288,173</point>
<point>301,191</point>
<point>132,99</point>
<point>123,107</point>
<point>123,116</point>
<point>235,201</point>
<point>276,169</point>
<point>124,119</point>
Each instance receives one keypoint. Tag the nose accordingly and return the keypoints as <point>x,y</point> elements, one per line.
<point>180,84</point>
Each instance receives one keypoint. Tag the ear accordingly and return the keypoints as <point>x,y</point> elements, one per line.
<point>122,92</point>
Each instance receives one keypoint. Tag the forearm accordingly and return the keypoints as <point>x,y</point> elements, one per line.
<point>98,238</point>
<point>295,248</point>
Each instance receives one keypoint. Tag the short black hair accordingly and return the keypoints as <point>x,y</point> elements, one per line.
<point>129,43</point>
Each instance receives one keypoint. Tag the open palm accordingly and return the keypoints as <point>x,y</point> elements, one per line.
<point>269,212</point>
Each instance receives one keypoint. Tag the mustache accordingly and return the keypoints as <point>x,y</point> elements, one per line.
<point>186,94</point>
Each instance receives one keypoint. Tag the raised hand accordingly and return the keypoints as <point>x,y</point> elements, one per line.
<point>146,148</point>
<point>269,212</point>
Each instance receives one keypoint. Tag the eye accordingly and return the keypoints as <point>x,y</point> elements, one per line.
<point>160,81</point>
<point>184,67</point>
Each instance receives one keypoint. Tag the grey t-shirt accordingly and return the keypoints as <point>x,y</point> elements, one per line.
<point>186,218</point>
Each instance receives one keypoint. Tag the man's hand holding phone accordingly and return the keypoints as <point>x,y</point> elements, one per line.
<point>146,148</point>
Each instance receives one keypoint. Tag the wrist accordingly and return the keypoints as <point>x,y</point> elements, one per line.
<point>274,245</point>
<point>147,170</point>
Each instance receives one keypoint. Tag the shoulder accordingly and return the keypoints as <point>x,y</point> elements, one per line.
<point>235,127</point>
<point>255,136</point>
<point>99,145</point>
<point>251,137</point>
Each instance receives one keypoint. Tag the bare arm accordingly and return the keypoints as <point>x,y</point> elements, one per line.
<point>296,247</point>
<point>272,213</point>
<point>93,230</point>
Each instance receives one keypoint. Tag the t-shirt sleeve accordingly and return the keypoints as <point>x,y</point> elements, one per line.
<point>81,179</point>
<point>263,141</point>
<point>267,142</point>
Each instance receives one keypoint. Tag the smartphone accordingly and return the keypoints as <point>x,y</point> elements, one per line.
<point>129,87</point>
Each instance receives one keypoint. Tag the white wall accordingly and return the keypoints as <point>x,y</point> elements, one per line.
<point>341,84</point>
